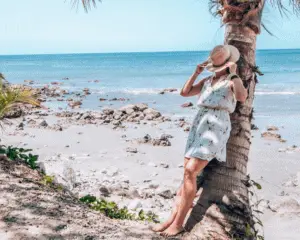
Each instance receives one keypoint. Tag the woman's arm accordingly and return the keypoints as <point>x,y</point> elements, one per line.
<point>239,90</point>
<point>189,89</point>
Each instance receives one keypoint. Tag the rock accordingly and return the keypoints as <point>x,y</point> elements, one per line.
<point>141,106</point>
<point>118,99</point>
<point>165,193</point>
<point>164,165</point>
<point>272,128</point>
<point>128,109</point>
<point>286,205</point>
<point>159,142</point>
<point>153,185</point>
<point>134,193</point>
<point>102,99</point>
<point>165,136</point>
<point>188,104</point>
<point>186,128</point>
<point>57,127</point>
<point>104,191</point>
<point>65,92</point>
<point>116,123</point>
<point>168,90</point>
<point>118,115</point>
<point>74,104</point>
<point>20,126</point>
<point>131,150</point>
<point>270,135</point>
<point>134,204</point>
<point>31,121</point>
<point>29,81</point>
<point>152,164</point>
<point>55,83</point>
<point>254,127</point>
<point>108,111</point>
<point>43,124</point>
<point>166,119</point>
<point>152,113</point>
<point>15,112</point>
<point>149,117</point>
<point>147,138</point>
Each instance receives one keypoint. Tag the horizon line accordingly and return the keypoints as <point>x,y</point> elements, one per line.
<point>125,52</point>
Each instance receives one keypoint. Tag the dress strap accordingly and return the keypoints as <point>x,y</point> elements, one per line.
<point>230,76</point>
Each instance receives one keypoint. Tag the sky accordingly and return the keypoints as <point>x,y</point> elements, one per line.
<point>43,27</point>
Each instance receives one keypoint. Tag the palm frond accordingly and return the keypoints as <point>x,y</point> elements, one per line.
<point>215,6</point>
<point>11,97</point>
<point>87,4</point>
<point>283,4</point>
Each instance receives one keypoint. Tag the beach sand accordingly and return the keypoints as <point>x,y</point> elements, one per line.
<point>99,160</point>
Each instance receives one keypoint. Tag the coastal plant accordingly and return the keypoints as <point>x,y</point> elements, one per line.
<point>11,97</point>
<point>50,182</point>
<point>20,154</point>
<point>111,209</point>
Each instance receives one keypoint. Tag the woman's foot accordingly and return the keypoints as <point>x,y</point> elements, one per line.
<point>172,231</point>
<point>163,226</point>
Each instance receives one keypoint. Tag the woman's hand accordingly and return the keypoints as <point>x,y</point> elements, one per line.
<point>200,67</point>
<point>233,68</point>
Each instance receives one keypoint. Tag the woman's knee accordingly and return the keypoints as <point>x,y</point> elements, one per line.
<point>194,167</point>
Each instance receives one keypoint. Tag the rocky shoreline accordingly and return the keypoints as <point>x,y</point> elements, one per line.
<point>131,154</point>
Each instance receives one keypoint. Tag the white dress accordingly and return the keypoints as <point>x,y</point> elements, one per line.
<point>211,127</point>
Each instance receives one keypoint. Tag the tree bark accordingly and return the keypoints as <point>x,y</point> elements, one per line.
<point>223,209</point>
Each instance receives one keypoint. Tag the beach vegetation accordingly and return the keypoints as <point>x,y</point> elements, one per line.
<point>20,154</point>
<point>11,97</point>
<point>111,210</point>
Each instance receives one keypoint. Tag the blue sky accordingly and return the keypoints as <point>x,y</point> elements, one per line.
<point>43,26</point>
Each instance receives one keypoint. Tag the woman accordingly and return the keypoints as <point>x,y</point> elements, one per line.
<point>217,96</point>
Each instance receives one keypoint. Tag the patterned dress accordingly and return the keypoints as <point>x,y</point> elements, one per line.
<point>211,127</point>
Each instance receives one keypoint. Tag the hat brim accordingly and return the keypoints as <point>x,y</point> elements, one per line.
<point>234,57</point>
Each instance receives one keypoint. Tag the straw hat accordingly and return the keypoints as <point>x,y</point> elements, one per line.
<point>221,57</point>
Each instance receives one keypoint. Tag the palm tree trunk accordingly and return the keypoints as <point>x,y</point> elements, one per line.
<point>223,210</point>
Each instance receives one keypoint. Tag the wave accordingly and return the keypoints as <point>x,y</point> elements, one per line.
<point>134,91</point>
<point>277,93</point>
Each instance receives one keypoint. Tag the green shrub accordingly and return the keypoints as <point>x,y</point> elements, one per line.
<point>112,210</point>
<point>21,154</point>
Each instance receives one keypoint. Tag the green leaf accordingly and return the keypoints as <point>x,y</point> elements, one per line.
<point>256,184</point>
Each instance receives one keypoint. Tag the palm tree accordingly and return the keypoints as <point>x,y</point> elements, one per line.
<point>223,210</point>
<point>10,97</point>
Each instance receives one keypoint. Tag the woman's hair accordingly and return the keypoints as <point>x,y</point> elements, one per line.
<point>228,70</point>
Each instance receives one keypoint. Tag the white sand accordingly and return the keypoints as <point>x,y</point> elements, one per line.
<point>99,156</point>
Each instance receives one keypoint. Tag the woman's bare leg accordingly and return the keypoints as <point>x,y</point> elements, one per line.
<point>189,189</point>
<point>161,227</point>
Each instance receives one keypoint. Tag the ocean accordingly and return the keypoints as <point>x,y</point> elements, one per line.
<point>141,76</point>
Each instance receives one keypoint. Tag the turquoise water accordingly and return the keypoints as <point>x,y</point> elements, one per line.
<point>140,76</point>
